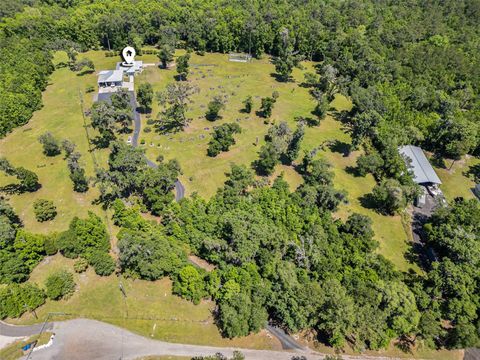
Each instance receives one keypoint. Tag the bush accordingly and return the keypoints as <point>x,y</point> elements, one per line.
<point>44,210</point>
<point>147,129</point>
<point>68,244</point>
<point>51,146</point>
<point>222,138</point>
<point>50,245</point>
<point>60,285</point>
<point>190,284</point>
<point>102,262</point>
<point>90,89</point>
<point>16,299</point>
<point>214,108</point>
<point>80,265</point>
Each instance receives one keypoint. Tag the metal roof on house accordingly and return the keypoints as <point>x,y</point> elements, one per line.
<point>130,70</point>
<point>110,76</point>
<point>417,161</point>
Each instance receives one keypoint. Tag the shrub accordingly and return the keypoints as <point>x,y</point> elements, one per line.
<point>44,210</point>
<point>68,244</point>
<point>147,129</point>
<point>214,108</point>
<point>142,142</point>
<point>60,285</point>
<point>102,262</point>
<point>50,245</point>
<point>189,284</point>
<point>16,299</point>
<point>51,146</point>
<point>80,265</point>
<point>90,89</point>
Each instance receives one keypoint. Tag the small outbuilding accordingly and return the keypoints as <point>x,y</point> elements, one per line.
<point>110,78</point>
<point>423,172</point>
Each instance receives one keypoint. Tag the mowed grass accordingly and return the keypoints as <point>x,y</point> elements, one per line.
<point>455,181</point>
<point>149,309</point>
<point>214,75</point>
<point>61,115</point>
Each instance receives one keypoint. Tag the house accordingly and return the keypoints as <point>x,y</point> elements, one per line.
<point>423,172</point>
<point>110,78</point>
<point>130,69</point>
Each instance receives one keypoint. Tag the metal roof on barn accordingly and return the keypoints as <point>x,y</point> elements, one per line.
<point>110,76</point>
<point>423,171</point>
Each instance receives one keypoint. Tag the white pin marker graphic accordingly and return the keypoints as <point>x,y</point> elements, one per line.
<point>128,54</point>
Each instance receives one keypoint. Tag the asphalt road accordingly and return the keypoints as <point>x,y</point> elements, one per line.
<point>288,343</point>
<point>84,339</point>
<point>17,331</point>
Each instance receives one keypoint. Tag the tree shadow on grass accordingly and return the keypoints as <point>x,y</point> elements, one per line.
<point>280,78</point>
<point>473,172</point>
<point>368,202</point>
<point>352,170</point>
<point>85,72</point>
<point>341,147</point>
<point>438,161</point>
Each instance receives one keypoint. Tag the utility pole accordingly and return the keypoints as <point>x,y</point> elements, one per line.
<point>42,329</point>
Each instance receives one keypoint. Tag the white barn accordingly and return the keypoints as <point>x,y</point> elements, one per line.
<point>110,78</point>
<point>423,172</point>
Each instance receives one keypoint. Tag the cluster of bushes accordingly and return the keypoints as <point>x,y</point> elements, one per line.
<point>88,239</point>
<point>282,146</point>
<point>16,299</point>
<point>129,176</point>
<point>53,147</point>
<point>222,138</point>
<point>28,180</point>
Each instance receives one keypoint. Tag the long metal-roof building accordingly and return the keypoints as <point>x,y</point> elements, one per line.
<point>423,172</point>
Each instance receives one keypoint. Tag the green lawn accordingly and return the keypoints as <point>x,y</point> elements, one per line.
<point>150,308</point>
<point>455,182</point>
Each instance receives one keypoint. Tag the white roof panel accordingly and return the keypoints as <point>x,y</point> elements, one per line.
<point>423,171</point>
<point>110,76</point>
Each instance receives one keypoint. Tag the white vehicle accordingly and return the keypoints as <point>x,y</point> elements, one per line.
<point>434,190</point>
<point>129,140</point>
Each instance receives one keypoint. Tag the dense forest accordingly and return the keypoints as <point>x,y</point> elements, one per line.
<point>412,71</point>
<point>411,68</point>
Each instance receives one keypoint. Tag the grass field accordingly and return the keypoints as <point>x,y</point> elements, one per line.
<point>214,75</point>
<point>149,309</point>
<point>455,182</point>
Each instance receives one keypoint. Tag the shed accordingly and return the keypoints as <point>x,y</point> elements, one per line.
<point>423,172</point>
<point>110,78</point>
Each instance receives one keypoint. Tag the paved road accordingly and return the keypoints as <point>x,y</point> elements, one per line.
<point>472,354</point>
<point>16,331</point>
<point>288,343</point>
<point>83,339</point>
